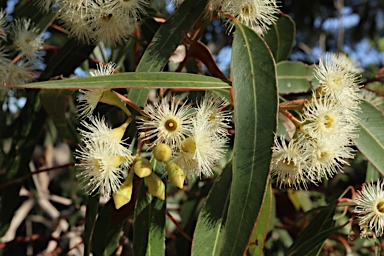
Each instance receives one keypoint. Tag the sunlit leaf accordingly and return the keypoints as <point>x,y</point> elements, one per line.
<point>133,80</point>
<point>370,141</point>
<point>255,93</point>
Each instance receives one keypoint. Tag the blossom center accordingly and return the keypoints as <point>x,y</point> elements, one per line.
<point>380,206</point>
<point>96,164</point>
<point>328,121</point>
<point>170,125</point>
<point>247,10</point>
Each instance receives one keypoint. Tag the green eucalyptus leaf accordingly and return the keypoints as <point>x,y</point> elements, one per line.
<point>156,238</point>
<point>165,42</point>
<point>286,34</point>
<point>370,141</point>
<point>255,93</point>
<point>90,221</point>
<point>372,173</point>
<point>261,228</point>
<point>271,37</point>
<point>133,80</point>
<point>149,224</point>
<point>106,234</point>
<point>311,240</point>
<point>295,77</point>
<point>210,225</point>
<point>55,103</point>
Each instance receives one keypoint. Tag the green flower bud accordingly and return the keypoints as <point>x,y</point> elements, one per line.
<point>142,167</point>
<point>162,152</point>
<point>156,186</point>
<point>176,175</point>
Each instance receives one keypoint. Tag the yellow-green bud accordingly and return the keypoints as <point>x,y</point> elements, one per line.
<point>142,167</point>
<point>119,131</point>
<point>116,161</point>
<point>189,145</point>
<point>162,152</point>
<point>156,186</point>
<point>176,175</point>
<point>123,195</point>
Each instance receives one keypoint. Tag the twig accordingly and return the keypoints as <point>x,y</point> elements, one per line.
<point>130,103</point>
<point>178,227</point>
<point>3,186</point>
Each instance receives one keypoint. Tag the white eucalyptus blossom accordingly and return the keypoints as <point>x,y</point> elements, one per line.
<point>103,166</point>
<point>101,21</point>
<point>253,13</point>
<point>213,109</point>
<point>89,99</point>
<point>289,163</point>
<point>3,25</point>
<point>324,118</point>
<point>168,122</point>
<point>27,38</point>
<point>109,25</point>
<point>200,152</point>
<point>370,209</point>
<point>338,77</point>
<point>97,129</point>
<point>19,73</point>
<point>327,157</point>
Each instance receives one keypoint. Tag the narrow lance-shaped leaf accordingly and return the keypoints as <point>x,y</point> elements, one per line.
<point>55,103</point>
<point>156,238</point>
<point>133,80</point>
<point>90,221</point>
<point>106,234</point>
<point>148,225</point>
<point>255,92</point>
<point>286,34</point>
<point>256,243</point>
<point>210,225</point>
<point>371,136</point>
<point>311,240</point>
<point>165,42</point>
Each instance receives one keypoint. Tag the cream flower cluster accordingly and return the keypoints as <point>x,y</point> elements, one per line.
<point>189,140</point>
<point>94,21</point>
<point>257,14</point>
<point>26,44</point>
<point>370,209</point>
<point>197,136</point>
<point>322,142</point>
<point>104,156</point>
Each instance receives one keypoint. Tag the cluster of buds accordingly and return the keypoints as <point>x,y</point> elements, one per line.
<point>188,141</point>
<point>323,137</point>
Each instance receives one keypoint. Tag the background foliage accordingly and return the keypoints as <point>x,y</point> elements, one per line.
<point>43,208</point>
